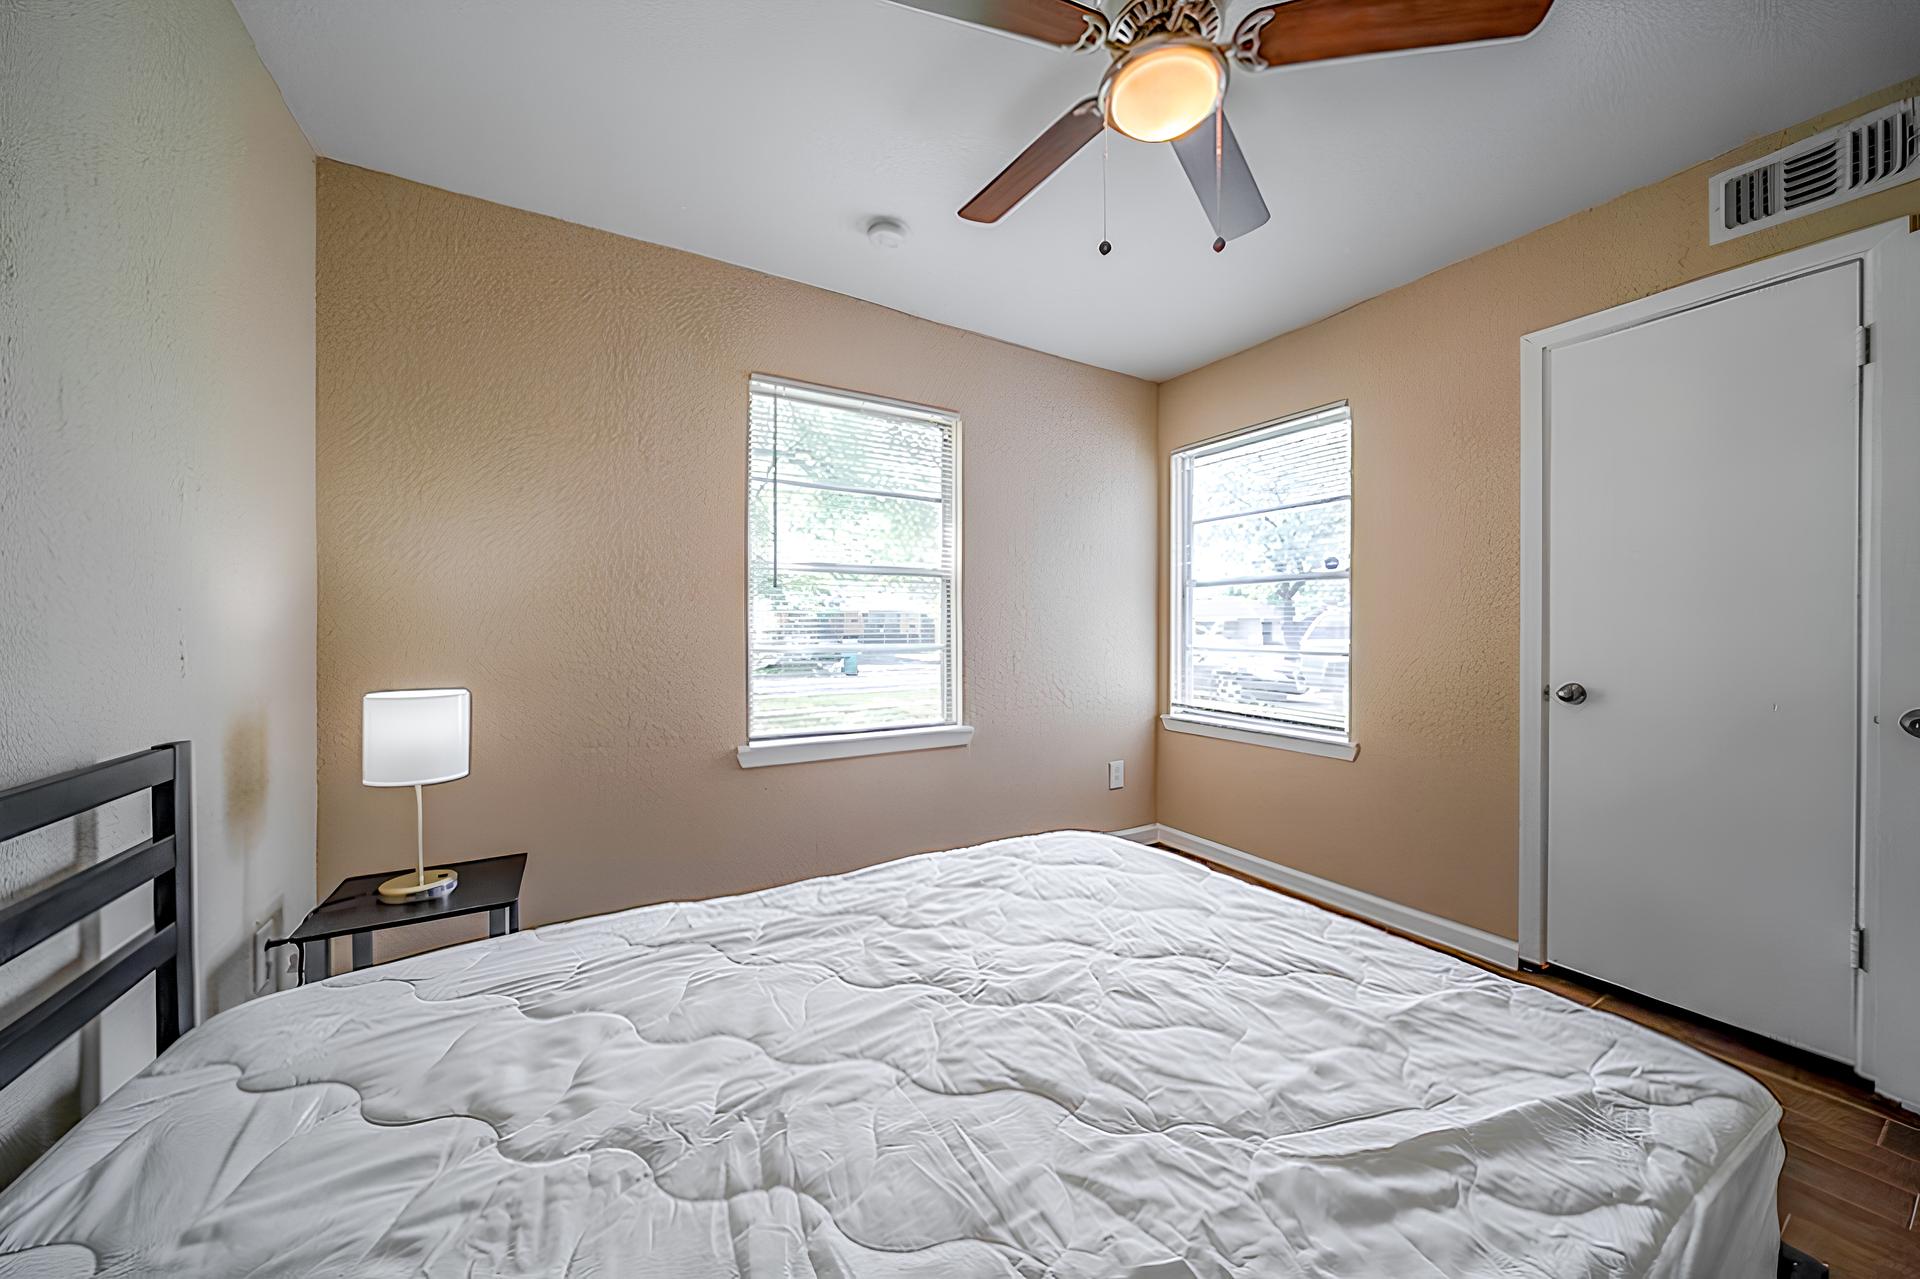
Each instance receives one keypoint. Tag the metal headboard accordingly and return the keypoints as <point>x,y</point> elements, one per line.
<point>165,950</point>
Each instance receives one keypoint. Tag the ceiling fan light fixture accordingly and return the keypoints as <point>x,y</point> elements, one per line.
<point>1163,90</point>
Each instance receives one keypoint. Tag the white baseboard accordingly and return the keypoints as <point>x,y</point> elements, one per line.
<point>1504,951</point>
<point>1148,834</point>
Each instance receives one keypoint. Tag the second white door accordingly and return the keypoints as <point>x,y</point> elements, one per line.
<point>1702,550</point>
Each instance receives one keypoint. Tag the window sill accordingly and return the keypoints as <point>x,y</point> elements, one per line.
<point>1277,738</point>
<point>806,750</point>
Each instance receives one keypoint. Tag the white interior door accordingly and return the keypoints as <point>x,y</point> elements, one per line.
<point>1702,560</point>
<point>1892,888</point>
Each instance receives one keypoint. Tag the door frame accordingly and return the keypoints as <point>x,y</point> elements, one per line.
<point>1865,246</point>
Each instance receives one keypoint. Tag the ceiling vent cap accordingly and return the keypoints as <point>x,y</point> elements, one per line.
<point>887,233</point>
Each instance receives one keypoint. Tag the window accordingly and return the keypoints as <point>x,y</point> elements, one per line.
<point>852,574</point>
<point>1262,554</point>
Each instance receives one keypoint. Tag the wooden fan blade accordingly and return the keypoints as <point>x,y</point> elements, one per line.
<point>1061,23</point>
<point>1223,171</point>
<point>1036,164</point>
<point>1313,30</point>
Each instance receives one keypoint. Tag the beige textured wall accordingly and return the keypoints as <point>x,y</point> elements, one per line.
<point>156,472</point>
<point>532,483</point>
<point>1428,813</point>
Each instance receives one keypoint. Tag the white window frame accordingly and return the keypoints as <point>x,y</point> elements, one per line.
<point>1249,730</point>
<point>876,741</point>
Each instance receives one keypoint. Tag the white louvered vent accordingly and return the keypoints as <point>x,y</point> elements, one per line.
<point>1869,154</point>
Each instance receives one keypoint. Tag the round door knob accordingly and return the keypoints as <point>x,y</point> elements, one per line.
<point>1571,694</point>
<point>1910,722</point>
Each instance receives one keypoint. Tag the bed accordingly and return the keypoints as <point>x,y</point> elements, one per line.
<point>1064,1056</point>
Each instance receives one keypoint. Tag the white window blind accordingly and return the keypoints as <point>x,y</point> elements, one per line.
<point>853,562</point>
<point>1262,556</point>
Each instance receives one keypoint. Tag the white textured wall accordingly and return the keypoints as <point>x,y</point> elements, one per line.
<point>156,463</point>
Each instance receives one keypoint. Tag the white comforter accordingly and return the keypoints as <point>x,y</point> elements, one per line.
<point>1063,1056</point>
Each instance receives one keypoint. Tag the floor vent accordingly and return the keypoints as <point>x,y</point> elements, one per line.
<point>1869,154</point>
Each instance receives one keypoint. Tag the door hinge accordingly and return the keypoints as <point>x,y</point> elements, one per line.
<point>1863,345</point>
<point>1860,949</point>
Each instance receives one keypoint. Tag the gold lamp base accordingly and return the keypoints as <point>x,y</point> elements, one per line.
<point>419,886</point>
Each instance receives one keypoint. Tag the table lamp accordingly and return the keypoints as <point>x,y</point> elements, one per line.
<point>415,737</point>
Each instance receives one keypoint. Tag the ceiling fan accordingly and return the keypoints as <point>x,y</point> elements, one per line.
<point>1168,76</point>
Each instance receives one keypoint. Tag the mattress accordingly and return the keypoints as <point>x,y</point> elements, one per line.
<point>1064,1056</point>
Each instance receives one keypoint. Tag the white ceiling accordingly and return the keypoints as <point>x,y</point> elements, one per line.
<point>768,132</point>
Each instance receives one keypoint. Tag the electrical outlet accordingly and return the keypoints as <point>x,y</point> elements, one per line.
<point>1116,774</point>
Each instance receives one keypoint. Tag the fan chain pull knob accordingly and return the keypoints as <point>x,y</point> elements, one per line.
<point>1106,247</point>
<point>1219,244</point>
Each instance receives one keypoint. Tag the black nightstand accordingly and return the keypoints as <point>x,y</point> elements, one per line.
<point>354,909</point>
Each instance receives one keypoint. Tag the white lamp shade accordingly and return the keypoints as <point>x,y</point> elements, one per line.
<point>414,737</point>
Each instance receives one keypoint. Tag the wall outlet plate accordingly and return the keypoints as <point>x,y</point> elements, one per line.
<point>1116,774</point>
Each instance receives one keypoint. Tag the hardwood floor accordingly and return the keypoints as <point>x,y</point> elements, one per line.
<point>1850,1192</point>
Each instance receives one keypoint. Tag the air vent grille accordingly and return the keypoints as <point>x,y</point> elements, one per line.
<point>1864,155</point>
<point>1810,176</point>
<point>1749,195</point>
<point>1881,148</point>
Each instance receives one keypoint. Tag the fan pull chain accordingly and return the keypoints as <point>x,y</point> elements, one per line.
<point>1106,245</point>
<point>1219,160</point>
